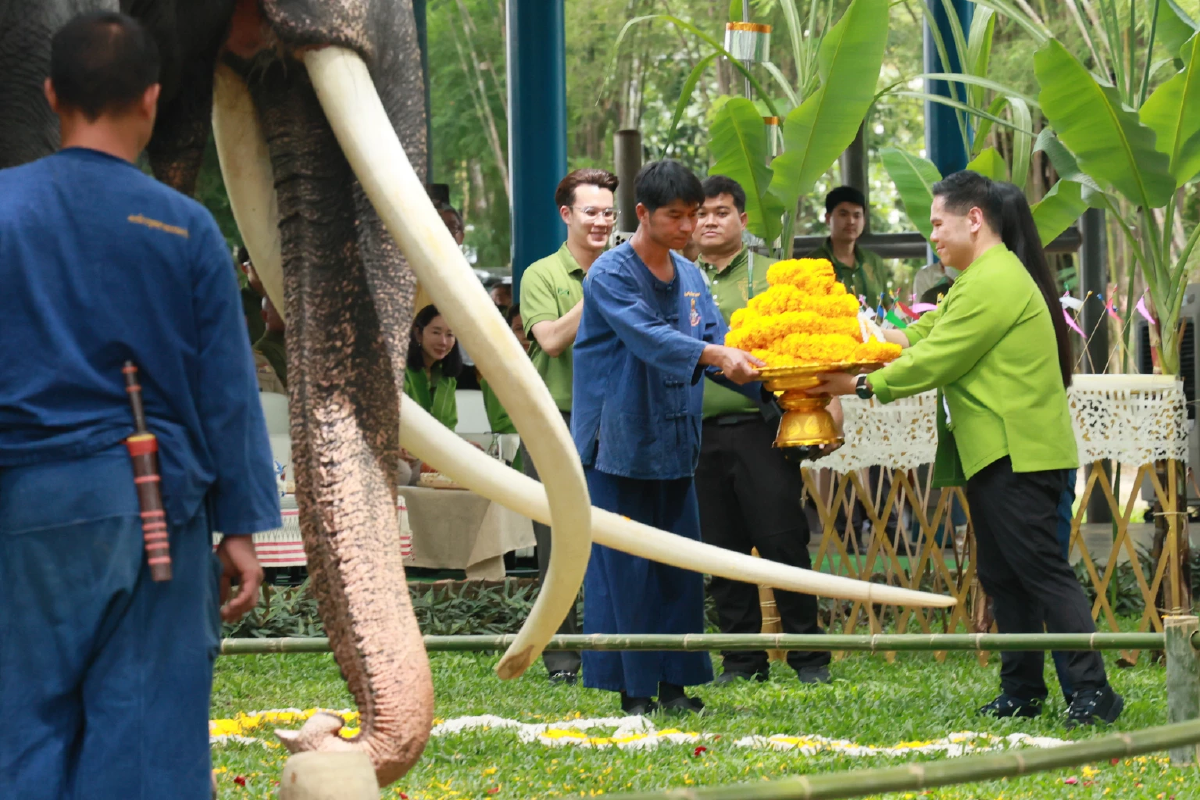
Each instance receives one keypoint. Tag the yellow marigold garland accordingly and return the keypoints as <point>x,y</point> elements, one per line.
<point>805,317</point>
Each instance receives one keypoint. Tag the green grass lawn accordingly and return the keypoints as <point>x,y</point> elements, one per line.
<point>871,702</point>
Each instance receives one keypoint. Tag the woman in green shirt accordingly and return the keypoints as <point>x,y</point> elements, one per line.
<point>434,364</point>
<point>997,349</point>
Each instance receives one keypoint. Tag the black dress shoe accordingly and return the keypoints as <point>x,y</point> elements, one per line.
<point>637,706</point>
<point>814,674</point>
<point>684,705</point>
<point>1089,705</point>
<point>563,676</point>
<point>1006,706</point>
<point>733,676</point>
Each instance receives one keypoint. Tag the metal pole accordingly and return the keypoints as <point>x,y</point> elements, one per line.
<point>1093,272</point>
<point>854,169</point>
<point>627,160</point>
<point>875,643</point>
<point>1183,680</point>
<point>537,141</point>
<point>747,88</point>
<point>943,138</point>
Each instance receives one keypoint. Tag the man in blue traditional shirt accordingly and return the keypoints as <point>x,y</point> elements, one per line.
<point>105,675</point>
<point>648,334</point>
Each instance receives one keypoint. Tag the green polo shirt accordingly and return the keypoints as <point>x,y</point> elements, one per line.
<point>436,396</point>
<point>732,288</point>
<point>549,289</point>
<point>866,277</point>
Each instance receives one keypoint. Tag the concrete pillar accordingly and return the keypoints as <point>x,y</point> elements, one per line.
<point>627,160</point>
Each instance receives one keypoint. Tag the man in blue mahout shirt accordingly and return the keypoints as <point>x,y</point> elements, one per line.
<point>105,676</point>
<point>649,333</point>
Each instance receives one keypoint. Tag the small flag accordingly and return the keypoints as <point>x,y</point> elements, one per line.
<point>1073,303</point>
<point>908,312</point>
<point>921,308</point>
<point>1141,309</point>
<point>1073,325</point>
<point>895,319</point>
<point>1112,312</point>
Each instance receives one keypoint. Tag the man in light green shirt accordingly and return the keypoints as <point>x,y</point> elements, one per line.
<point>551,306</point>
<point>997,349</point>
<point>861,271</point>
<point>749,492</point>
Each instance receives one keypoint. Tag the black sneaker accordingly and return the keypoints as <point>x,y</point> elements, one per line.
<point>1089,705</point>
<point>637,706</point>
<point>1006,706</point>
<point>564,676</point>
<point>814,674</point>
<point>733,676</point>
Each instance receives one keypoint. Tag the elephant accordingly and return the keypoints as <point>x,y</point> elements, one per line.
<point>316,109</point>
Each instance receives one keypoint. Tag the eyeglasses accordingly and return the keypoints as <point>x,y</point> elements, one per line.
<point>608,214</point>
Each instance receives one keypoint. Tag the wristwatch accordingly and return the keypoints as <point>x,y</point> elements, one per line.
<point>862,389</point>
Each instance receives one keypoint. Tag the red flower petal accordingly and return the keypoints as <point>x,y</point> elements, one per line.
<point>403,796</point>
<point>699,750</point>
<point>1071,780</point>
<point>494,790</point>
<point>239,780</point>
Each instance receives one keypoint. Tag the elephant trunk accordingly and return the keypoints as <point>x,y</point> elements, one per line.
<point>345,420</point>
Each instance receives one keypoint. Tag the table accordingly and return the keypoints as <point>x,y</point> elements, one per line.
<point>458,529</point>
<point>438,529</point>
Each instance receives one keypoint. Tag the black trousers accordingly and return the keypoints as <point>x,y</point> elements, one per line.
<point>750,498</point>
<point>554,661</point>
<point>1022,568</point>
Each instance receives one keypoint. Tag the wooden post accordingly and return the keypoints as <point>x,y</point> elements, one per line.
<point>1183,680</point>
<point>328,776</point>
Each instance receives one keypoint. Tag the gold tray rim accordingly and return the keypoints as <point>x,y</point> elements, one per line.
<point>797,370</point>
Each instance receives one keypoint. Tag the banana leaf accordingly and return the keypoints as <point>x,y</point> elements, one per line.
<point>979,50</point>
<point>1173,113</point>
<point>824,125</point>
<point>990,164</point>
<point>1056,212</point>
<point>914,178</point>
<point>685,97</point>
<point>1022,144</point>
<point>1175,27</point>
<point>1107,139</point>
<point>739,145</point>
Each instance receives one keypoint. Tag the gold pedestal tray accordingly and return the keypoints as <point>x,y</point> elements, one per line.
<point>806,421</point>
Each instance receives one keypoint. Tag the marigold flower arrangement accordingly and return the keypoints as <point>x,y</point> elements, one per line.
<point>805,318</point>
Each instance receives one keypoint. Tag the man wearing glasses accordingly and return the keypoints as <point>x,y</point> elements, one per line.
<point>551,306</point>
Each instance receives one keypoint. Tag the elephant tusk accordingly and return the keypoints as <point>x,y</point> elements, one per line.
<point>249,178</point>
<point>430,441</point>
<point>356,114</point>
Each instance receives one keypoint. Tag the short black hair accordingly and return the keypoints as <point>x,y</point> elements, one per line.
<point>102,62</point>
<point>452,364</point>
<point>844,194</point>
<point>717,185</point>
<point>964,190</point>
<point>513,312</point>
<point>243,255</point>
<point>661,183</point>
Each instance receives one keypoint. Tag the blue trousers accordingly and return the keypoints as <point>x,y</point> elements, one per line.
<point>627,594</point>
<point>105,676</point>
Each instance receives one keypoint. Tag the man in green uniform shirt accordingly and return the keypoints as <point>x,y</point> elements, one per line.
<point>859,270</point>
<point>271,345</point>
<point>749,492</point>
<point>551,306</point>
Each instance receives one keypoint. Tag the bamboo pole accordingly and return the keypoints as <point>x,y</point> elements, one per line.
<point>328,776</point>
<point>1183,680</point>
<point>923,775</point>
<point>923,642</point>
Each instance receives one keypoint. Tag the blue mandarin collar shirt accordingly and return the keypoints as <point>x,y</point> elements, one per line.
<point>100,263</point>
<point>637,388</point>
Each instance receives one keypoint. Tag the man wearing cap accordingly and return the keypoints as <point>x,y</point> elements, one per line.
<point>860,270</point>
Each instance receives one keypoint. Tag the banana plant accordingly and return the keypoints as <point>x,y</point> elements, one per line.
<point>837,70</point>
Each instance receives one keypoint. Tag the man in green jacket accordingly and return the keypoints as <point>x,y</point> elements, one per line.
<point>749,493</point>
<point>1004,429</point>
<point>861,271</point>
